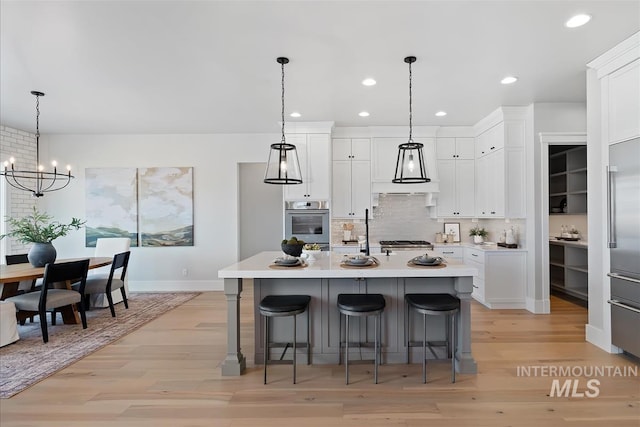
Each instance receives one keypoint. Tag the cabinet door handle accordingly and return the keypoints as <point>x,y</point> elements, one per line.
<point>621,305</point>
<point>621,277</point>
<point>474,255</point>
<point>611,226</point>
<point>445,252</point>
<point>475,286</point>
<point>493,148</point>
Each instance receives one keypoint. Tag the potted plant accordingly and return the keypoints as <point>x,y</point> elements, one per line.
<point>39,229</point>
<point>478,234</point>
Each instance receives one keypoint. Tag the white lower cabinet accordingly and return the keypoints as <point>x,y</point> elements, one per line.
<point>455,253</point>
<point>501,279</point>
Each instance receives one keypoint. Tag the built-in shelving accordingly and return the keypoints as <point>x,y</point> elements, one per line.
<point>568,270</point>
<point>568,180</point>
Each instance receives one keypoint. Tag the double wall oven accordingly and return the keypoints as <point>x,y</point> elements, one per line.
<point>308,221</point>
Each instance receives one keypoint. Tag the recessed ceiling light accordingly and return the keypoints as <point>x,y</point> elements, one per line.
<point>295,114</point>
<point>369,82</point>
<point>363,114</point>
<point>577,20</point>
<point>441,113</point>
<point>508,80</point>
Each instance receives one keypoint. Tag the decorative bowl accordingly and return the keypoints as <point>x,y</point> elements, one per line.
<point>293,249</point>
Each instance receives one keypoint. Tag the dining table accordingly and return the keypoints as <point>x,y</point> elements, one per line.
<point>12,275</point>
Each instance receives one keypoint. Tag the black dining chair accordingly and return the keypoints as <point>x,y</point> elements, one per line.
<point>106,285</point>
<point>49,298</point>
<point>24,285</point>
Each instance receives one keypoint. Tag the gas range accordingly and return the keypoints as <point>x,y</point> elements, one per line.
<point>404,245</point>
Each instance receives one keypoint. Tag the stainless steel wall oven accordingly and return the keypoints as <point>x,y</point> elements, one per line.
<point>308,221</point>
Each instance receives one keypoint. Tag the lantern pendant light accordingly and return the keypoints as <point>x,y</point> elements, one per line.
<point>283,166</point>
<point>410,168</point>
<point>37,181</point>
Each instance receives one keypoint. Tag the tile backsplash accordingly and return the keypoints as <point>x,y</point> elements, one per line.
<point>405,217</point>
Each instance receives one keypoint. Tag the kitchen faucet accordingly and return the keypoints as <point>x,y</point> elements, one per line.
<point>366,232</point>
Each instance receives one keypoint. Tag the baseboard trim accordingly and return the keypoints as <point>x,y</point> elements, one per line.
<point>175,286</point>
<point>599,338</point>
<point>538,306</point>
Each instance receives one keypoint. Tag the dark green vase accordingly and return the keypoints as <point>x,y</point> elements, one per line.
<point>41,254</point>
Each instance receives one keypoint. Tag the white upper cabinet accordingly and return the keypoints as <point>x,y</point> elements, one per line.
<point>455,148</point>
<point>351,183</point>
<point>457,196</point>
<point>500,165</point>
<point>314,156</point>
<point>624,103</point>
<point>618,71</point>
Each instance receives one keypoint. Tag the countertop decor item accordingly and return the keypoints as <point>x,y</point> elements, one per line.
<point>292,246</point>
<point>407,171</point>
<point>37,181</point>
<point>452,229</point>
<point>283,166</point>
<point>478,234</point>
<point>38,228</point>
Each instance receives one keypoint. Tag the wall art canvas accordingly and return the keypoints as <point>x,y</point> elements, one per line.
<point>165,203</point>
<point>111,204</point>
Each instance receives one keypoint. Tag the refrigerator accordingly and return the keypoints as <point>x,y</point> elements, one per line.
<point>623,236</point>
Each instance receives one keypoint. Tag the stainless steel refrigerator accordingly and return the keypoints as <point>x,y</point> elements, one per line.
<point>623,177</point>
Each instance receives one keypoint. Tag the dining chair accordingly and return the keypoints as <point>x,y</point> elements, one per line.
<point>25,285</point>
<point>108,247</point>
<point>50,298</point>
<point>107,285</point>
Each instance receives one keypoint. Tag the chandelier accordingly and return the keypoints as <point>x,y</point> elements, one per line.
<point>283,166</point>
<point>410,170</point>
<point>38,181</point>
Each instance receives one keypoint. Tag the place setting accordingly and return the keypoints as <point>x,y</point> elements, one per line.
<point>288,262</point>
<point>426,261</point>
<point>359,261</point>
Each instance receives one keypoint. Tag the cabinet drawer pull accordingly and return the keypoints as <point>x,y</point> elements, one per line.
<point>475,255</point>
<point>475,286</point>
<point>445,252</point>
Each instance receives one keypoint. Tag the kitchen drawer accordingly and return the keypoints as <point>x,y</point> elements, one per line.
<point>453,252</point>
<point>478,289</point>
<point>474,255</point>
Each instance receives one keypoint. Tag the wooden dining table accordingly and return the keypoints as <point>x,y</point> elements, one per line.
<point>12,275</point>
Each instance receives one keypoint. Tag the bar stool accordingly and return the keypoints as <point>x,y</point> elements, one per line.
<point>281,306</point>
<point>361,305</point>
<point>432,305</point>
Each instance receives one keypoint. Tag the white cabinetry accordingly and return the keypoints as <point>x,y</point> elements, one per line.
<point>449,252</point>
<point>501,279</point>
<point>351,185</point>
<point>500,164</point>
<point>314,155</point>
<point>456,173</point>
<point>622,92</point>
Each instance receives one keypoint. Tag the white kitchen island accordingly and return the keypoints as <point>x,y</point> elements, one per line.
<point>323,279</point>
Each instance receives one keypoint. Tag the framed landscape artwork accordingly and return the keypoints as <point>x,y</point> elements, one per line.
<point>111,203</point>
<point>454,229</point>
<point>165,204</point>
<point>151,206</point>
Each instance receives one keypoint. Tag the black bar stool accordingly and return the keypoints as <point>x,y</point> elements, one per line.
<point>361,305</point>
<point>432,305</point>
<point>281,306</point>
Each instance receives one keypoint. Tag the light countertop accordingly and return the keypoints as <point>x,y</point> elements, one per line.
<point>327,265</point>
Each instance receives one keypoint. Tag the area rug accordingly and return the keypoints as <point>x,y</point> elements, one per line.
<point>29,360</point>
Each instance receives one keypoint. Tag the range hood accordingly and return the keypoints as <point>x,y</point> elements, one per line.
<point>429,190</point>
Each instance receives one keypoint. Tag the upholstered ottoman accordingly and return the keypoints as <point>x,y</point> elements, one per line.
<point>8,324</point>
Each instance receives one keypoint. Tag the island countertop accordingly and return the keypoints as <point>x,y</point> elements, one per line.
<point>328,265</point>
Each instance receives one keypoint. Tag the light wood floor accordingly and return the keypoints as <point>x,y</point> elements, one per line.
<point>168,374</point>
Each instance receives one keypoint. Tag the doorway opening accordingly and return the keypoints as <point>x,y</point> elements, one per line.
<point>564,216</point>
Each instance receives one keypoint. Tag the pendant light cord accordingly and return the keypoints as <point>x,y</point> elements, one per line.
<point>282,83</point>
<point>410,107</point>
<point>37,131</point>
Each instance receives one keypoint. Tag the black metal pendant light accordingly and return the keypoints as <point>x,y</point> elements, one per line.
<point>283,166</point>
<point>37,181</point>
<point>410,168</point>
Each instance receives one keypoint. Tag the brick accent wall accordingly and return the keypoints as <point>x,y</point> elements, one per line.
<point>22,146</point>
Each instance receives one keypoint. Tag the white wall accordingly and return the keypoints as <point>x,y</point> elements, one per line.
<point>214,159</point>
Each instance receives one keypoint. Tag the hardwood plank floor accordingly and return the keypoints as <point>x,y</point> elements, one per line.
<point>168,374</point>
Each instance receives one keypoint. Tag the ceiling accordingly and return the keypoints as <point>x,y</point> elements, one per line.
<point>210,66</point>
